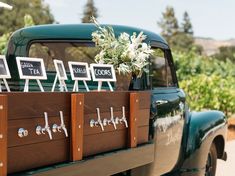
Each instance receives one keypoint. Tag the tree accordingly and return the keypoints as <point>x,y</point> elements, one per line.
<point>226,52</point>
<point>89,11</point>
<point>169,23</point>
<point>186,25</point>
<point>28,21</point>
<point>14,19</point>
<point>179,38</point>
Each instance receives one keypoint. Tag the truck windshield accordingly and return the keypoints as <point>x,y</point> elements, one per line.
<point>66,51</point>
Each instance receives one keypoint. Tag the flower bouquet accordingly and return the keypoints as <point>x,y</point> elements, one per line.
<point>128,54</point>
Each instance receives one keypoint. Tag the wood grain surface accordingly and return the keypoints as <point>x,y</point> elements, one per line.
<point>77,124</point>
<point>3,135</point>
<point>34,151</point>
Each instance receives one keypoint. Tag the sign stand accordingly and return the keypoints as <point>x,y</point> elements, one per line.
<point>60,76</point>
<point>100,86</point>
<point>76,86</point>
<point>110,86</point>
<point>26,86</point>
<point>31,69</point>
<point>4,73</point>
<point>103,73</point>
<point>79,72</point>
<point>6,85</point>
<point>62,84</point>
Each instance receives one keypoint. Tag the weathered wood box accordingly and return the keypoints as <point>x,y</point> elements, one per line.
<point>33,126</point>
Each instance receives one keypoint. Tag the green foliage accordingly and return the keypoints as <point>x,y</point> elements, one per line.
<point>187,26</point>
<point>89,11</point>
<point>191,64</point>
<point>169,23</point>
<point>226,52</point>
<point>12,20</point>
<point>28,21</point>
<point>208,82</point>
<point>3,43</point>
<point>181,42</point>
<point>210,92</point>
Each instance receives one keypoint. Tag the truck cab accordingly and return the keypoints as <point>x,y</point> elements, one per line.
<point>185,142</point>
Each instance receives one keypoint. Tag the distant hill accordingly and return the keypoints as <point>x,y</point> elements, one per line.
<point>211,46</point>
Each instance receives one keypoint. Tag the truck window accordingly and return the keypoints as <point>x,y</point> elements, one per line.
<point>66,51</point>
<point>160,73</point>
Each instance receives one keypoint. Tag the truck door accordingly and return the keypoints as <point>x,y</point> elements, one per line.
<point>167,112</point>
<point>167,115</point>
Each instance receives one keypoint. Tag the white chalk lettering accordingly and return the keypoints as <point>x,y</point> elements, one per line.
<point>103,72</point>
<point>79,70</point>
<point>26,65</point>
<point>34,71</point>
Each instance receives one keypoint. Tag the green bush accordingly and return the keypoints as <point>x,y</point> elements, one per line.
<point>3,43</point>
<point>208,82</point>
<point>210,92</point>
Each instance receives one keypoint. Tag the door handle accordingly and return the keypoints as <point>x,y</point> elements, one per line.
<point>161,102</point>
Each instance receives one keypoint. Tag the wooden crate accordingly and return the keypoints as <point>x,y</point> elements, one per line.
<point>26,110</point>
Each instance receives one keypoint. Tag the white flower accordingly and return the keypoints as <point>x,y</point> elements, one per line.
<point>126,53</point>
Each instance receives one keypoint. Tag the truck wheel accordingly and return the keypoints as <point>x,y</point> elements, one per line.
<point>211,161</point>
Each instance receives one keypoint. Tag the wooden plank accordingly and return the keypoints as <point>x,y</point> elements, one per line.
<point>142,136</point>
<point>145,99</point>
<point>142,121</point>
<point>111,141</point>
<point>3,135</point>
<point>105,142</point>
<point>134,116</point>
<point>105,100</point>
<point>77,123</point>
<point>106,164</point>
<point>34,104</point>
<point>30,126</point>
<point>27,157</point>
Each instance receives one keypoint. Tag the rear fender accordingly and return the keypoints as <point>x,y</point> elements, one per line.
<point>204,128</point>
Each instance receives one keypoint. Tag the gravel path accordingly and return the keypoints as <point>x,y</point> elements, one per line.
<point>227,168</point>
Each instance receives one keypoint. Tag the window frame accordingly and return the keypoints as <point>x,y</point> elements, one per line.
<point>169,59</point>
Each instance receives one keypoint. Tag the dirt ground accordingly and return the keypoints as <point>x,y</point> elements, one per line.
<point>231,129</point>
<point>226,168</point>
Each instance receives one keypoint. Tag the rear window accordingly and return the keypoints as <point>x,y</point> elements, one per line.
<point>66,51</point>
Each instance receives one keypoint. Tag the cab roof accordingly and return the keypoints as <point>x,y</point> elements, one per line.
<point>75,32</point>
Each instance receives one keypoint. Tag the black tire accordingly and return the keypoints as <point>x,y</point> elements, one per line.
<point>211,161</point>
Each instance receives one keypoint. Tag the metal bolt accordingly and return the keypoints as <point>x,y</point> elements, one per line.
<point>79,126</point>
<point>1,107</point>
<point>1,164</point>
<point>137,100</point>
<point>1,136</point>
<point>80,103</point>
<point>79,149</point>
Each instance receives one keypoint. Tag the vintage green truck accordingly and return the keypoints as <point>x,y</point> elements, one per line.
<point>179,142</point>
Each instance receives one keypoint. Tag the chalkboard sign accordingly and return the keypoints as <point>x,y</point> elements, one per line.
<point>79,71</point>
<point>4,70</point>
<point>31,68</point>
<point>59,66</point>
<point>103,72</point>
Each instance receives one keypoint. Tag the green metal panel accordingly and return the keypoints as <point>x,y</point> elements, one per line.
<point>201,125</point>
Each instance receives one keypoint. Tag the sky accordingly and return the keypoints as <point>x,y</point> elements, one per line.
<point>210,18</point>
